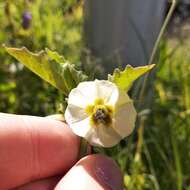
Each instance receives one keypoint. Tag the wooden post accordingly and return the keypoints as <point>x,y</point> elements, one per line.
<point>122,31</point>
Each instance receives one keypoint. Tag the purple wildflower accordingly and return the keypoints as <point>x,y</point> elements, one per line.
<point>26,20</point>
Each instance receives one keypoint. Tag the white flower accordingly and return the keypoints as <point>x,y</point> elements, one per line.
<point>100,112</point>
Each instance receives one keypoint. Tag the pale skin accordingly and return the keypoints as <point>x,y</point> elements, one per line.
<point>39,153</point>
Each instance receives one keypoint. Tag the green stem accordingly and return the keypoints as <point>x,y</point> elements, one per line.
<point>177,160</point>
<point>85,148</point>
<point>168,17</point>
<point>155,48</point>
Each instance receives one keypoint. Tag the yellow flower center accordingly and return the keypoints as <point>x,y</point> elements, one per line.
<point>100,113</point>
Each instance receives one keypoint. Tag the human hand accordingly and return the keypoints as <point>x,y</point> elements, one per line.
<point>41,154</point>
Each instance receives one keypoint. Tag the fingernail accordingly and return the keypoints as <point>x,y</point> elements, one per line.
<point>108,173</point>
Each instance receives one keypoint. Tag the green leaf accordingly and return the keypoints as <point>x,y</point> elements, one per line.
<point>55,56</point>
<point>124,79</point>
<point>72,77</point>
<point>46,64</point>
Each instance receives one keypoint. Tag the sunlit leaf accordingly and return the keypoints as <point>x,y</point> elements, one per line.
<point>55,56</point>
<point>124,79</point>
<point>46,65</point>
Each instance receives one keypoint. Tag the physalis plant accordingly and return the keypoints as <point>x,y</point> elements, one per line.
<point>100,111</point>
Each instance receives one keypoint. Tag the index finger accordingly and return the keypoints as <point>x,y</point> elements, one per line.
<point>33,148</point>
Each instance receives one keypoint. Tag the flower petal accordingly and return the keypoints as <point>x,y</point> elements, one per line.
<point>107,136</point>
<point>88,90</point>
<point>124,119</point>
<point>81,128</point>
<point>103,136</point>
<point>106,90</point>
<point>74,114</point>
<point>77,98</point>
<point>122,98</point>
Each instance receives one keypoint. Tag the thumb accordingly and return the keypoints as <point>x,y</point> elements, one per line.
<point>95,172</point>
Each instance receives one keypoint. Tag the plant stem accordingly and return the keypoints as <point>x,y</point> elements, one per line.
<point>155,48</point>
<point>85,148</point>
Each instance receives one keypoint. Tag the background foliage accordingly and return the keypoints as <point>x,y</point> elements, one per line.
<point>54,24</point>
<point>157,156</point>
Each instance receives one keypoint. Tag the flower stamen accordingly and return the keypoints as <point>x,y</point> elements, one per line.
<point>100,113</point>
<point>101,116</point>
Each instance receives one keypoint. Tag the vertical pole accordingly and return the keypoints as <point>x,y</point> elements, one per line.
<point>121,32</point>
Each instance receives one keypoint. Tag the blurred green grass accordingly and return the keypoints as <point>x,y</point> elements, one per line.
<point>157,156</point>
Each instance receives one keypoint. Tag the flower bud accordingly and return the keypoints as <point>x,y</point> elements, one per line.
<point>26,20</point>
